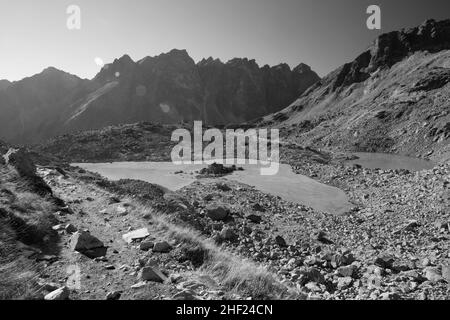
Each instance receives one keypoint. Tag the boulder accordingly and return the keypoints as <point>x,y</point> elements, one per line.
<point>19,159</point>
<point>217,169</point>
<point>442,225</point>
<point>146,245</point>
<point>223,187</point>
<point>385,260</point>
<point>184,295</point>
<point>258,207</point>
<point>390,296</point>
<point>344,283</point>
<point>115,295</point>
<point>254,218</point>
<point>323,237</point>
<point>432,274</point>
<point>311,275</point>
<point>338,260</point>
<point>446,273</point>
<point>70,228</point>
<point>162,247</point>
<point>279,240</point>
<point>411,225</point>
<point>228,234</point>
<point>59,294</point>
<point>87,244</point>
<point>136,235</point>
<point>121,210</point>
<point>346,271</point>
<point>152,274</point>
<point>58,227</point>
<point>217,213</point>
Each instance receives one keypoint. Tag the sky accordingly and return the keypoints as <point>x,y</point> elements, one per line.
<point>321,33</point>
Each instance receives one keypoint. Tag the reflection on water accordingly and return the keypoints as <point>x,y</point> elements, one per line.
<point>286,184</point>
<point>390,161</point>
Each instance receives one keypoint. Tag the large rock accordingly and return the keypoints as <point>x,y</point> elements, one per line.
<point>19,159</point>
<point>217,213</point>
<point>311,275</point>
<point>385,260</point>
<point>87,244</point>
<point>279,240</point>
<point>228,234</point>
<point>136,235</point>
<point>344,283</point>
<point>446,273</point>
<point>146,245</point>
<point>152,274</point>
<point>346,271</point>
<point>59,294</point>
<point>433,274</point>
<point>162,247</point>
<point>254,218</point>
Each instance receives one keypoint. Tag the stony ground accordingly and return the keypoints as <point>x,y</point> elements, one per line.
<point>394,244</point>
<point>165,262</point>
<point>219,239</point>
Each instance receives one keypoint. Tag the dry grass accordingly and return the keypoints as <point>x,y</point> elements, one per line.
<point>236,275</point>
<point>24,217</point>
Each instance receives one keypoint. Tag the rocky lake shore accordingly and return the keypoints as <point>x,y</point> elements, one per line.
<point>392,243</point>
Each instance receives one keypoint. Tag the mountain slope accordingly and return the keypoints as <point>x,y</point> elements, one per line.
<point>4,84</point>
<point>392,98</point>
<point>169,88</point>
<point>30,109</point>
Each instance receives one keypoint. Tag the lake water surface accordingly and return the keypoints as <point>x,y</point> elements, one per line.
<point>286,184</point>
<point>390,161</point>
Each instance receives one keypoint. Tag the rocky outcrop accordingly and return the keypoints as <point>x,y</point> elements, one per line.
<point>393,47</point>
<point>392,98</point>
<point>20,160</point>
<point>240,90</point>
<point>85,243</point>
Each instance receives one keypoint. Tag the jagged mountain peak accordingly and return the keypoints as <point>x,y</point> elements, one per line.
<point>210,61</point>
<point>52,72</point>
<point>125,59</point>
<point>237,62</point>
<point>302,68</point>
<point>392,98</point>
<point>167,88</point>
<point>393,47</point>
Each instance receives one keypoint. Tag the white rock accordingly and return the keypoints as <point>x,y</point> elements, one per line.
<point>59,294</point>
<point>136,235</point>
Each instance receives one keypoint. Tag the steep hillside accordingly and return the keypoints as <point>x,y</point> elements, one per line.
<point>169,88</point>
<point>31,109</point>
<point>27,205</point>
<point>392,98</point>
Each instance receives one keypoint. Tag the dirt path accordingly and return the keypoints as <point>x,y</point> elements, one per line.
<point>94,210</point>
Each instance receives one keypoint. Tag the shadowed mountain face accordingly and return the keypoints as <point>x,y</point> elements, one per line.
<point>4,84</point>
<point>169,88</point>
<point>392,98</point>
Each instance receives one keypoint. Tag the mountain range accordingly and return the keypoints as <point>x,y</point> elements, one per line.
<point>394,97</point>
<point>169,88</point>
